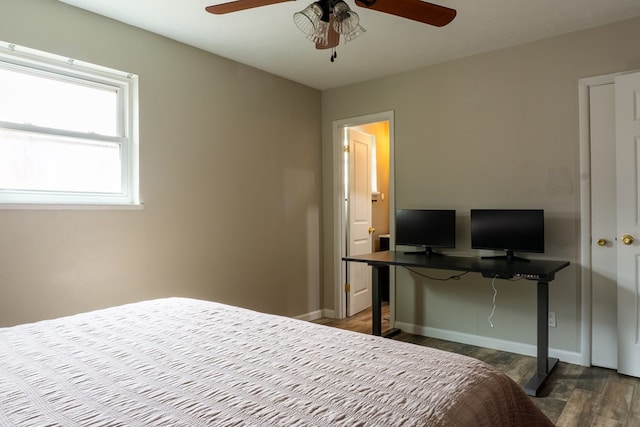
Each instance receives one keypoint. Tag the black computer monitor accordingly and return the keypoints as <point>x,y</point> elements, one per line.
<point>510,230</point>
<point>426,228</point>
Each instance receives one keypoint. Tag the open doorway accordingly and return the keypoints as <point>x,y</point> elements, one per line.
<point>369,172</point>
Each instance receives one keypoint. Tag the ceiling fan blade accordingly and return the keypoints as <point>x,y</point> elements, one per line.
<point>235,6</point>
<point>417,10</point>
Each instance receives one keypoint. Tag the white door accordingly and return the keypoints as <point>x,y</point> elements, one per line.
<point>359,219</point>
<point>627,104</point>
<point>604,317</point>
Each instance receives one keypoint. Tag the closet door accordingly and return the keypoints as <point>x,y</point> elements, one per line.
<point>604,282</point>
<point>627,108</point>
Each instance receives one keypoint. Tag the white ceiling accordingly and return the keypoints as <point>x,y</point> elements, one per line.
<point>267,38</point>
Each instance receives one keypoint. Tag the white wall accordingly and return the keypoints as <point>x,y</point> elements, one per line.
<point>500,130</point>
<point>230,179</point>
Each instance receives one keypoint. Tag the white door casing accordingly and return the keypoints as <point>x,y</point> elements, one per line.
<point>359,219</point>
<point>627,105</point>
<point>604,348</point>
<point>339,247</point>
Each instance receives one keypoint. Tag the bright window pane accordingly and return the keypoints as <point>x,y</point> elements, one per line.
<point>68,131</point>
<point>41,100</point>
<point>36,162</point>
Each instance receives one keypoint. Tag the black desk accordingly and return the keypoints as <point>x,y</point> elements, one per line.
<point>541,271</point>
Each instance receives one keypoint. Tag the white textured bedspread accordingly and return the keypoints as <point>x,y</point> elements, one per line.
<point>184,362</point>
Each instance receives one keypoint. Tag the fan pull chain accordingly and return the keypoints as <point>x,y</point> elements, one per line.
<point>334,54</point>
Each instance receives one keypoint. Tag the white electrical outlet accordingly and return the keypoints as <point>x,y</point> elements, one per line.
<point>552,319</point>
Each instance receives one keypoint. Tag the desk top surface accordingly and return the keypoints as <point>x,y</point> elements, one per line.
<point>530,269</point>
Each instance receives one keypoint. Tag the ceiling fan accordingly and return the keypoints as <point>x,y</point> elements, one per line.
<point>324,21</point>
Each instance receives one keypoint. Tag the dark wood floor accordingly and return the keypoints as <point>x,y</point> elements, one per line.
<point>573,395</point>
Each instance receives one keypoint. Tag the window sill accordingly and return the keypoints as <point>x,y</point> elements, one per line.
<point>61,206</point>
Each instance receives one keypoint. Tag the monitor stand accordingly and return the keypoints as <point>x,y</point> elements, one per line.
<point>510,257</point>
<point>427,251</point>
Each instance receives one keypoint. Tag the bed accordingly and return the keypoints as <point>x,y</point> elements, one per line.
<point>186,362</point>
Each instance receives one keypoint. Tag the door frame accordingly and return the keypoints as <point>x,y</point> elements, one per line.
<point>584,86</point>
<point>339,214</point>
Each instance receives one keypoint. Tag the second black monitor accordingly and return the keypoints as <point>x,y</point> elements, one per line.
<point>426,228</point>
<point>509,230</point>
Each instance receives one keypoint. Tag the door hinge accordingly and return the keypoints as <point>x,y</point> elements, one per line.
<point>347,287</point>
<point>345,149</point>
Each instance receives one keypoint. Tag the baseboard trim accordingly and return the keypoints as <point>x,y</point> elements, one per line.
<point>315,315</point>
<point>487,342</point>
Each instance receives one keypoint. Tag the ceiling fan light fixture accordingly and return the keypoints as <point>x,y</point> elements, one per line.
<point>345,20</point>
<point>324,21</point>
<point>349,28</point>
<point>321,34</point>
<point>332,38</point>
<point>353,34</point>
<point>308,19</point>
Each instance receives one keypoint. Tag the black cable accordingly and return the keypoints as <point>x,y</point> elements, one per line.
<point>454,277</point>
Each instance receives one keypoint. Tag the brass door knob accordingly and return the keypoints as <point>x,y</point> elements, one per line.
<point>372,230</point>
<point>601,242</point>
<point>627,239</point>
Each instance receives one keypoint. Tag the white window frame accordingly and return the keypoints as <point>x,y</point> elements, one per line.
<point>126,86</point>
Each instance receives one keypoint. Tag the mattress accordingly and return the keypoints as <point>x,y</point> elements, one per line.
<point>186,362</point>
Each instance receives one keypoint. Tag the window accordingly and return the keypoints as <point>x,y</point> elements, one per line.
<point>68,131</point>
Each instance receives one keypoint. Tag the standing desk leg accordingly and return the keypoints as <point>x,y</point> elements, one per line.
<point>376,301</point>
<point>545,364</point>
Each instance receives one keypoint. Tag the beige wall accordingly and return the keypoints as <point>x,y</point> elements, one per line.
<point>230,179</point>
<point>493,130</point>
